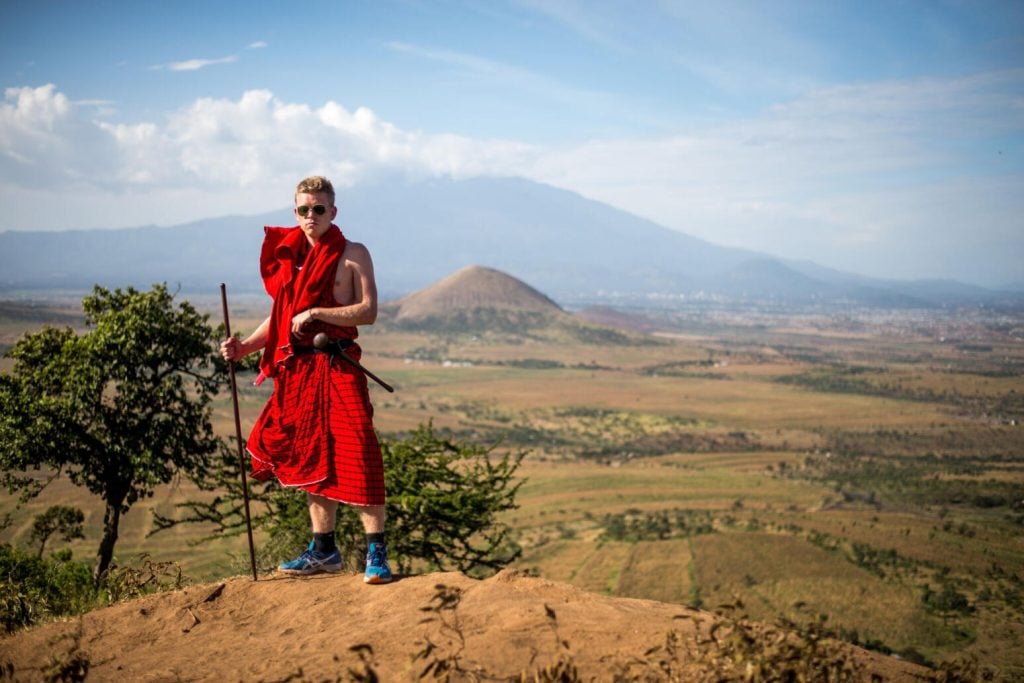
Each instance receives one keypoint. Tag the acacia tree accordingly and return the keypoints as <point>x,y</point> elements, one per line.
<point>118,409</point>
<point>63,519</point>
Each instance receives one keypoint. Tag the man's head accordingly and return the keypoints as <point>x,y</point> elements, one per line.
<point>314,206</point>
<point>314,184</point>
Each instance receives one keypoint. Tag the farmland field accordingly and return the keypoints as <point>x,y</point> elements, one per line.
<point>862,470</point>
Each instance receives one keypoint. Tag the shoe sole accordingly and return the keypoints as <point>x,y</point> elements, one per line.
<point>376,579</point>
<point>328,569</point>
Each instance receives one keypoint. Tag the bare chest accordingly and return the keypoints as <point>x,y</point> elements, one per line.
<point>344,289</point>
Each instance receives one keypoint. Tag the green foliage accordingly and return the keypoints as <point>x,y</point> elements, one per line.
<point>34,588</point>
<point>62,519</point>
<point>936,467</point>
<point>657,525</point>
<point>119,409</point>
<point>443,503</point>
<point>481,320</point>
<point>444,500</point>
<point>947,600</point>
<point>840,378</point>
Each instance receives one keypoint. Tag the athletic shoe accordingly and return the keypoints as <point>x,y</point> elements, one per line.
<point>311,562</point>
<point>377,569</point>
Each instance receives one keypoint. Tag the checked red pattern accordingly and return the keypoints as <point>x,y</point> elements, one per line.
<point>316,431</point>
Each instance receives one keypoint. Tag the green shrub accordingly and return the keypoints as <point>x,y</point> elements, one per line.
<point>443,502</point>
<point>32,588</point>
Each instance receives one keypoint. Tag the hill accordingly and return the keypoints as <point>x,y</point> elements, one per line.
<point>487,302</point>
<point>473,287</point>
<point>316,628</point>
<point>575,249</point>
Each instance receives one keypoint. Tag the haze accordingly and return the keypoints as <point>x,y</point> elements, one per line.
<point>880,138</point>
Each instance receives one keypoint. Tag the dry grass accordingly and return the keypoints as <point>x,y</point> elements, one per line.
<point>564,500</point>
<point>200,561</point>
<point>772,574</point>
<point>600,571</point>
<point>657,570</point>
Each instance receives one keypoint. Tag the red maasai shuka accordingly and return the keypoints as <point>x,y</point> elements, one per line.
<point>316,431</point>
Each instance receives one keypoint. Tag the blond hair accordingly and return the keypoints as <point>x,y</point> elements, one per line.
<point>314,184</point>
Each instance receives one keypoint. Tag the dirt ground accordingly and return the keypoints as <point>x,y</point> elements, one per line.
<point>309,629</point>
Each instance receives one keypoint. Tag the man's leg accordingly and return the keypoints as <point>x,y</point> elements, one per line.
<point>377,568</point>
<point>322,554</point>
<point>322,513</point>
<point>372,517</point>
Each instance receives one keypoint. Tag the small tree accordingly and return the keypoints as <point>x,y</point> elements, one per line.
<point>119,408</point>
<point>64,519</point>
<point>443,503</point>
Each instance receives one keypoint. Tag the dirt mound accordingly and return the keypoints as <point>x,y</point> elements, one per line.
<point>473,287</point>
<point>330,627</point>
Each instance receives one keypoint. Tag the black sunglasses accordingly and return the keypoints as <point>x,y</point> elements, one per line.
<point>303,210</point>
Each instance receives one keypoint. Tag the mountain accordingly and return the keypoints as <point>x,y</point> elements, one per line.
<point>487,301</point>
<point>577,250</point>
<point>473,287</point>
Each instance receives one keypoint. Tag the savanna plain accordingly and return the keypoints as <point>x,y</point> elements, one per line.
<point>861,470</point>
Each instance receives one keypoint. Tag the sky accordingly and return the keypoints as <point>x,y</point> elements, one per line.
<point>880,138</point>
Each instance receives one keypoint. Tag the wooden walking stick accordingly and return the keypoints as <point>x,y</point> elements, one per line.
<point>238,432</point>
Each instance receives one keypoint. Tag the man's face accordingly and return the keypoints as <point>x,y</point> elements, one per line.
<point>313,223</point>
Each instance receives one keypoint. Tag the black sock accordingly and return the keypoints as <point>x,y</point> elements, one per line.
<point>324,543</point>
<point>375,538</point>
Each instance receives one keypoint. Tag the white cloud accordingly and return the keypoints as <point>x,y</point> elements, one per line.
<point>196,64</point>
<point>33,106</point>
<point>227,156</point>
<point>259,44</point>
<point>44,140</point>
<point>860,177</point>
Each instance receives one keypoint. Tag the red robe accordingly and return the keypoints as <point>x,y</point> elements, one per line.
<point>316,431</point>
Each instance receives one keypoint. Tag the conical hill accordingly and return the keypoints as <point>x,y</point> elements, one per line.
<point>472,291</point>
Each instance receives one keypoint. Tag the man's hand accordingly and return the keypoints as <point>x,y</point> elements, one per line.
<point>231,349</point>
<point>301,320</point>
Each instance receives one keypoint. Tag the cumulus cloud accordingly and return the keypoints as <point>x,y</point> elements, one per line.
<point>44,140</point>
<point>851,176</point>
<point>226,155</point>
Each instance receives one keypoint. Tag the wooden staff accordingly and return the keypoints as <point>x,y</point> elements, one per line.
<point>238,432</point>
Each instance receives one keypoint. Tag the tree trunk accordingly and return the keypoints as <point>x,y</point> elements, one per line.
<point>111,519</point>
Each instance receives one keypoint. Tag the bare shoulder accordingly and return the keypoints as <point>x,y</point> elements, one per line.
<point>356,251</point>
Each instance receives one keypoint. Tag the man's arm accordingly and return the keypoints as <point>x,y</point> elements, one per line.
<point>354,284</point>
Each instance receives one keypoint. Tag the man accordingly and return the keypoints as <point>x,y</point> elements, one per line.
<point>316,430</point>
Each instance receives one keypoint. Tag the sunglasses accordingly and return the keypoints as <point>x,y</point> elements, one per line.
<point>304,210</point>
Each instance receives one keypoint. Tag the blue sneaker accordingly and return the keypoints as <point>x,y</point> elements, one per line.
<point>377,569</point>
<point>311,562</point>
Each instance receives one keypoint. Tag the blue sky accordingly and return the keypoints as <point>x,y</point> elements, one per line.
<point>884,138</point>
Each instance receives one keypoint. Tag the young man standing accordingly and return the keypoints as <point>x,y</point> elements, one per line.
<point>316,431</point>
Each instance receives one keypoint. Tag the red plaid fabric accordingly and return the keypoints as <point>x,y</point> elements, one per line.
<point>293,289</point>
<point>316,431</point>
